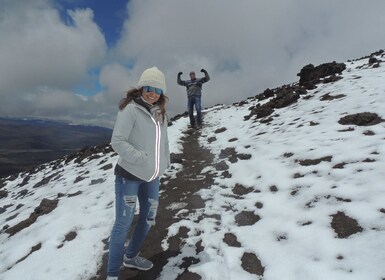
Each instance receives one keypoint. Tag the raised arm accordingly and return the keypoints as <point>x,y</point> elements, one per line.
<point>179,80</point>
<point>206,78</point>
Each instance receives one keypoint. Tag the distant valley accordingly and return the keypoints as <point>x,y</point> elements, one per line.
<point>26,143</point>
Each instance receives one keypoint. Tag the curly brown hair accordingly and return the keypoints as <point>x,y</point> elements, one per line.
<point>137,92</point>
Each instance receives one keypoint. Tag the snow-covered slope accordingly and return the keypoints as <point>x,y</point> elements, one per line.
<point>307,172</point>
<point>299,193</point>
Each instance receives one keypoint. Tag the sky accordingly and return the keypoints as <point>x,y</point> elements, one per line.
<point>73,60</point>
<point>293,239</point>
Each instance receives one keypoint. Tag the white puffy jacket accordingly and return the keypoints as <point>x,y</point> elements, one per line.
<point>141,142</point>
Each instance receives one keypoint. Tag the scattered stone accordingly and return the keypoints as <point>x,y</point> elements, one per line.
<point>259,205</point>
<point>59,195</point>
<point>75,194</point>
<point>220,130</point>
<point>78,179</point>
<point>281,237</point>
<point>346,130</point>
<point>328,97</point>
<point>97,181</point>
<point>373,60</point>
<point>266,120</point>
<point>244,156</point>
<point>331,79</point>
<point>285,98</point>
<point>45,181</point>
<point>106,167</point>
<point>368,133</point>
<point>89,153</point>
<point>273,189</point>
<point>252,264</point>
<point>268,93</point>
<point>211,139</point>
<point>298,175</point>
<point>246,218</point>
<point>22,193</point>
<point>221,166</point>
<point>226,174</point>
<point>46,206</point>
<point>339,198</point>
<point>310,75</point>
<point>261,111</point>
<point>25,180</point>
<point>242,103</point>
<point>308,162</point>
<point>287,155</point>
<point>199,247</point>
<point>227,153</point>
<point>361,119</point>
<point>11,217</point>
<point>339,165</point>
<point>233,139</point>
<point>19,206</point>
<point>231,240</point>
<point>70,236</point>
<point>241,190</point>
<point>177,117</point>
<point>3,194</point>
<point>295,191</point>
<point>33,249</point>
<point>313,123</point>
<point>344,226</point>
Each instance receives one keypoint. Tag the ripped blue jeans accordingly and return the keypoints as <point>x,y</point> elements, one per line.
<point>127,192</point>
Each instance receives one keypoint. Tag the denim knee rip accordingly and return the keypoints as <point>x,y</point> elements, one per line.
<point>130,201</point>
<point>152,211</point>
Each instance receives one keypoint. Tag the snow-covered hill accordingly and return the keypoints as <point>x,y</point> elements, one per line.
<point>298,191</point>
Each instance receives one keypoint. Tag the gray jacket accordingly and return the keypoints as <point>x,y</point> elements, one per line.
<point>194,87</point>
<point>141,142</point>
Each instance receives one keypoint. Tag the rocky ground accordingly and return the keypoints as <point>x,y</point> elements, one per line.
<point>182,189</point>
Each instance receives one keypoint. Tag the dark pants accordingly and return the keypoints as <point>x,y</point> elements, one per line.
<point>191,102</point>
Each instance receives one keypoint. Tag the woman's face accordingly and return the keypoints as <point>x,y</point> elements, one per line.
<point>151,94</point>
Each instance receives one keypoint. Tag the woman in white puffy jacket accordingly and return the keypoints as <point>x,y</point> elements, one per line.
<point>140,139</point>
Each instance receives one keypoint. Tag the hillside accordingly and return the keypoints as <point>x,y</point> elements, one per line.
<point>26,143</point>
<point>287,184</point>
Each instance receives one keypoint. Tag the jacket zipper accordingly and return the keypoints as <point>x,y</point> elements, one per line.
<point>157,149</point>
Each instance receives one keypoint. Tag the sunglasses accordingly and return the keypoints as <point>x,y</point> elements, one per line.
<point>158,91</point>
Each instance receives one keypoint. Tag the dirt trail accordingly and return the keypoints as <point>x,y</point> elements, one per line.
<point>181,189</point>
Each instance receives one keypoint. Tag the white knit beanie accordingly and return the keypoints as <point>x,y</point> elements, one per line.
<point>152,77</point>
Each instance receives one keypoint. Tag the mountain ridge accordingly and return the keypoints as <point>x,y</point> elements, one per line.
<point>26,143</point>
<point>291,190</point>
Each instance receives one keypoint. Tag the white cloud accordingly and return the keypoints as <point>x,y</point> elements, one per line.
<point>38,50</point>
<point>246,46</point>
<point>116,79</point>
